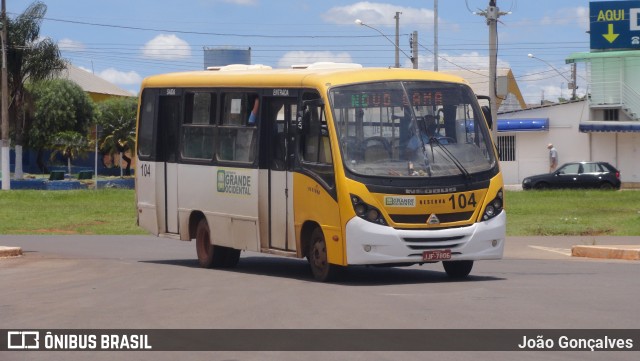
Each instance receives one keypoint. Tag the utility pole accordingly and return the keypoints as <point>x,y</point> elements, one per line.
<point>492,14</point>
<point>573,85</point>
<point>414,49</point>
<point>6,170</point>
<point>397,17</point>
<point>435,35</point>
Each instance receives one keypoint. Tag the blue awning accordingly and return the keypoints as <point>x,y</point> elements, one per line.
<point>523,125</point>
<point>612,126</point>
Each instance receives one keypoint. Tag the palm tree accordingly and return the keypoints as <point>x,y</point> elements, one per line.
<point>29,58</point>
<point>118,120</point>
<point>70,145</point>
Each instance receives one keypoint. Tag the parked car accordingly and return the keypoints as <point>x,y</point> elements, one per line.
<point>577,175</point>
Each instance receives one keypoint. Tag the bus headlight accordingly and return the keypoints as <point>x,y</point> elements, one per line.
<point>367,212</point>
<point>373,215</point>
<point>360,209</point>
<point>494,207</point>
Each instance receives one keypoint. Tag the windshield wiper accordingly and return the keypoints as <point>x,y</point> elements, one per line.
<point>416,130</point>
<point>449,155</point>
<point>414,118</point>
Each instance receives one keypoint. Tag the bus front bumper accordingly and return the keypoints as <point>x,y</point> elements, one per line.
<point>369,243</point>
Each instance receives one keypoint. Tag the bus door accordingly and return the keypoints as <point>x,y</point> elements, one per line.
<point>279,113</point>
<point>169,107</point>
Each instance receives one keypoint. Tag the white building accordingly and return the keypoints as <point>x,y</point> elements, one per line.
<point>605,127</point>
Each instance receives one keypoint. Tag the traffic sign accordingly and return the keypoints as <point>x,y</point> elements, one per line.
<point>615,25</point>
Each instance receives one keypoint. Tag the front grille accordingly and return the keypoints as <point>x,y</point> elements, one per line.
<point>432,239</point>
<point>427,243</point>
<point>439,246</point>
<point>422,218</point>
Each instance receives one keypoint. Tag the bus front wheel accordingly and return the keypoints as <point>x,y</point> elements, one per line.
<point>322,270</point>
<point>457,269</point>
<point>208,254</point>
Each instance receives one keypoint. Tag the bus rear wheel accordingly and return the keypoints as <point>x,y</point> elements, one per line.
<point>457,269</point>
<point>208,255</point>
<point>322,270</point>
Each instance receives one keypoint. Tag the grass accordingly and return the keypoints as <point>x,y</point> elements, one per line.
<point>113,211</point>
<point>573,213</point>
<point>105,211</point>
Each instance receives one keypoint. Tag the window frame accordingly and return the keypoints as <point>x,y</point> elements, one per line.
<point>187,124</point>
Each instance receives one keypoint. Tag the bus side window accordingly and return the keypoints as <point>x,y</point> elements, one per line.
<point>314,147</point>
<point>197,130</point>
<point>146,138</point>
<point>315,138</point>
<point>237,136</point>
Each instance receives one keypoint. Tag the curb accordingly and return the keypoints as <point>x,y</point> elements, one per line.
<point>10,251</point>
<point>630,253</point>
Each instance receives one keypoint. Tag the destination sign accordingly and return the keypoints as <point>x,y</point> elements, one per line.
<point>395,98</point>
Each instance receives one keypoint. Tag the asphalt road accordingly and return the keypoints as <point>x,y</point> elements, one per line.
<point>138,282</point>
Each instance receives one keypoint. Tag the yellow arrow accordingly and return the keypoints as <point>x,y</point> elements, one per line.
<point>610,36</point>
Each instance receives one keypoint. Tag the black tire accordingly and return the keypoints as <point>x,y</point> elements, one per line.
<point>457,269</point>
<point>606,186</point>
<point>208,255</point>
<point>322,270</point>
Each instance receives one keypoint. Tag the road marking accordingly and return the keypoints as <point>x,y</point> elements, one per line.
<point>562,251</point>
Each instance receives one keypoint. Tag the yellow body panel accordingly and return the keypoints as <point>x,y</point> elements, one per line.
<point>312,203</point>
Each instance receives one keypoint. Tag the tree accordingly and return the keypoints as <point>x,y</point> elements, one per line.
<point>70,145</point>
<point>29,58</point>
<point>59,105</point>
<point>118,120</point>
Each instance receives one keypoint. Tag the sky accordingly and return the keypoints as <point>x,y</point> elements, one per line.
<point>126,41</point>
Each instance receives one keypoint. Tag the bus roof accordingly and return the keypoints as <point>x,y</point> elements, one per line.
<point>320,77</point>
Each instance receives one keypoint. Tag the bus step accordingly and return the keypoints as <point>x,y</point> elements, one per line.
<point>175,236</point>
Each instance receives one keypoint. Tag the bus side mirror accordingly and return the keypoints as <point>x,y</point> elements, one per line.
<point>486,110</point>
<point>487,115</point>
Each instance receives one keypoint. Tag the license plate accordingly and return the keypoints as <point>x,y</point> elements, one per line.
<point>436,255</point>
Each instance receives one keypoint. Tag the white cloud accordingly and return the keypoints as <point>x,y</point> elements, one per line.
<point>119,77</point>
<point>582,13</point>
<point>70,45</point>
<point>379,14</point>
<point>472,61</point>
<point>306,57</point>
<point>569,16</point>
<point>242,2</point>
<point>547,83</point>
<point>167,47</point>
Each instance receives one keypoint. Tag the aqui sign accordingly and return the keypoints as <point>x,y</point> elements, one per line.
<point>615,24</point>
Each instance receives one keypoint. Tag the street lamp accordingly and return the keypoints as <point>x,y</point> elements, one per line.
<point>359,22</point>
<point>571,84</point>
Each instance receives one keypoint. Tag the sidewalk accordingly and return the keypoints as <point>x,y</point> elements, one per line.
<point>626,252</point>
<point>10,251</point>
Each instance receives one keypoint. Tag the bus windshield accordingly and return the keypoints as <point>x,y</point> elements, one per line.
<point>411,129</point>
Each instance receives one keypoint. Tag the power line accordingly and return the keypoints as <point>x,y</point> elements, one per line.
<point>210,33</point>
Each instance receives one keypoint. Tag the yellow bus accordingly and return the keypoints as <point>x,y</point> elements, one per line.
<point>340,164</point>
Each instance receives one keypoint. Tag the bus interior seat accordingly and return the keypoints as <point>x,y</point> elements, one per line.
<point>325,151</point>
<point>352,148</point>
<point>376,148</point>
